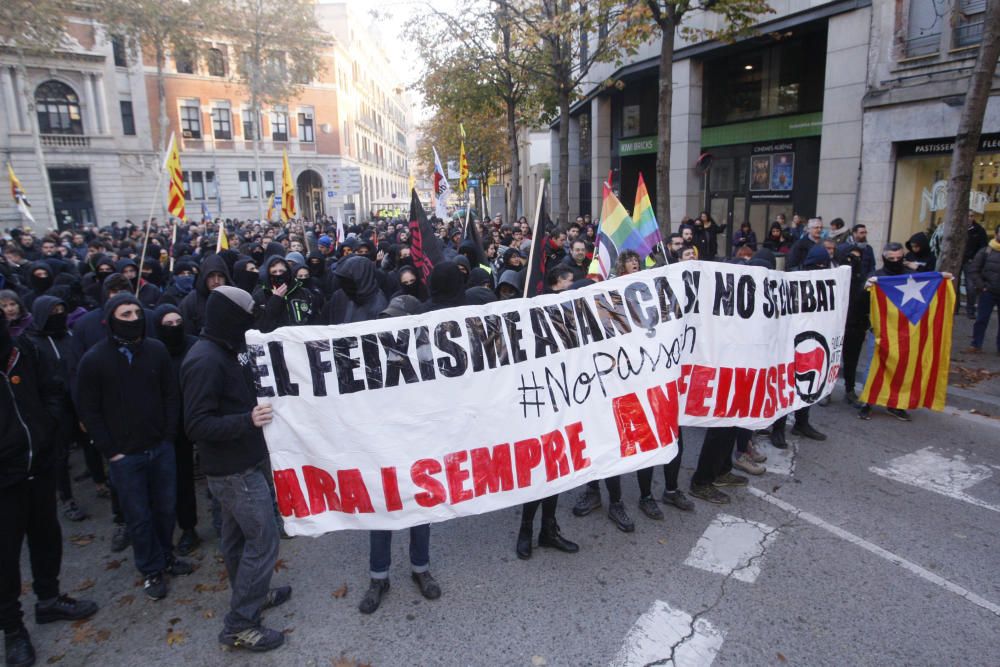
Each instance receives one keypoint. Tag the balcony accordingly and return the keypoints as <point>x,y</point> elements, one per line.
<point>65,141</point>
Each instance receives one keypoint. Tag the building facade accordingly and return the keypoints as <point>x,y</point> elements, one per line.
<point>827,110</point>
<point>98,112</point>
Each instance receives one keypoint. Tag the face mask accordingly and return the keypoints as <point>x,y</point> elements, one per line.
<point>101,275</point>
<point>184,284</point>
<point>893,267</point>
<point>128,331</point>
<point>40,284</point>
<point>56,324</point>
<point>283,279</point>
<point>172,337</point>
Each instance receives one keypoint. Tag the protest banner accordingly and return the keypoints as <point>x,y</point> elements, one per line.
<point>397,422</point>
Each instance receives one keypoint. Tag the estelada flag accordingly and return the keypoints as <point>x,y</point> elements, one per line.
<point>175,191</point>
<point>911,316</point>
<point>535,283</point>
<point>425,247</point>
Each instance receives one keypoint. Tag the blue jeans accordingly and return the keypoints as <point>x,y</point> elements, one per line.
<point>987,302</point>
<point>381,547</point>
<point>146,484</point>
<point>249,543</point>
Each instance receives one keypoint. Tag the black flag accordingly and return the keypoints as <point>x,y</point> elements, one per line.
<point>425,246</point>
<point>472,234</point>
<point>535,283</point>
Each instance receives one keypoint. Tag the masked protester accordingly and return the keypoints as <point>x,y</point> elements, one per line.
<point>39,279</point>
<point>282,300</point>
<point>359,297</point>
<point>246,274</point>
<point>58,359</point>
<point>30,407</point>
<point>149,294</point>
<point>857,323</point>
<point>180,285</point>
<point>128,400</point>
<point>222,418</point>
<point>213,273</point>
<point>169,328</point>
<point>447,287</point>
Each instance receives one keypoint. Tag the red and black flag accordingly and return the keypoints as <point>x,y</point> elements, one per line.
<point>425,246</point>
<point>535,283</point>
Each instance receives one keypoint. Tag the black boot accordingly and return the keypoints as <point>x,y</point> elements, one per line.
<point>778,437</point>
<point>524,541</point>
<point>20,652</point>
<point>373,596</point>
<point>552,538</point>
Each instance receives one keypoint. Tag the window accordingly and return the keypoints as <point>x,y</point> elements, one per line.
<point>248,125</point>
<point>246,178</point>
<point>222,122</point>
<point>128,118</point>
<point>923,27</point>
<point>268,183</point>
<point>198,185</point>
<point>970,17</point>
<point>118,51</point>
<point>279,126</point>
<point>306,132</point>
<point>191,121</point>
<point>184,61</point>
<point>58,109</point>
<point>347,136</point>
<point>216,62</point>
<point>276,65</point>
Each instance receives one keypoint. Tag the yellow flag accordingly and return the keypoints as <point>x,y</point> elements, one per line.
<point>17,192</point>
<point>175,195</point>
<point>287,191</point>
<point>463,164</point>
<point>270,207</point>
<point>223,241</point>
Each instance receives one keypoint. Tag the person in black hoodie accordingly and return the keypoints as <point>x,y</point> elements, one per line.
<point>169,326</point>
<point>919,258</point>
<point>857,323</point>
<point>213,274</point>
<point>282,300</point>
<point>246,274</point>
<point>38,276</point>
<point>149,294</point>
<point>181,283</point>
<point>129,402</point>
<point>49,335</point>
<point>359,297</point>
<point>29,409</point>
<point>222,417</point>
<point>447,287</point>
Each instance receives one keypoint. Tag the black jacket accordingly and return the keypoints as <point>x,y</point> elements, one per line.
<point>89,330</point>
<point>359,297</point>
<point>298,306</point>
<point>193,305</point>
<point>58,361</point>
<point>797,255</point>
<point>29,405</point>
<point>219,396</point>
<point>985,271</point>
<point>975,240</point>
<point>127,407</point>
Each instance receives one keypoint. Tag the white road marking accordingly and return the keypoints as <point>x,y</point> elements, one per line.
<point>879,551</point>
<point>651,637</point>
<point>931,471</point>
<point>779,461</point>
<point>731,545</point>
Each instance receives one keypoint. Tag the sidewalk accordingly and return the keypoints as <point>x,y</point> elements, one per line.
<point>974,381</point>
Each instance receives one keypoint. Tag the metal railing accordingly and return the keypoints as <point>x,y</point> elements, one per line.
<point>968,34</point>
<point>924,45</point>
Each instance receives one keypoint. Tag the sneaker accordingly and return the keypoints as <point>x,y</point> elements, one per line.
<point>155,587</point>
<point>729,479</point>
<point>276,596</point>
<point>428,586</point>
<point>72,511</point>
<point>188,543</point>
<point>747,465</point>
<point>373,596</point>
<point>64,608</point>
<point>851,399</point>
<point>678,500</point>
<point>709,493</point>
<point>257,639</point>
<point>650,508</point>
<point>120,540</point>
<point>179,568</point>
<point>618,516</point>
<point>588,501</point>
<point>807,431</point>
<point>755,454</point>
<point>901,415</point>
<point>865,412</point>
<point>19,651</point>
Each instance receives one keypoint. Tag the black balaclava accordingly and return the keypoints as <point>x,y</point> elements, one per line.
<point>41,284</point>
<point>173,337</point>
<point>413,289</point>
<point>287,278</point>
<point>258,254</point>
<point>447,284</point>
<point>245,280</point>
<point>893,268</point>
<point>125,332</point>
<point>228,316</point>
<point>316,264</point>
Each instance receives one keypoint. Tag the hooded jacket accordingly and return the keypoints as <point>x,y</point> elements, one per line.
<point>29,407</point>
<point>180,285</point>
<point>984,272</point>
<point>89,330</point>
<point>218,388</point>
<point>38,286</point>
<point>858,302</point>
<point>447,287</point>
<point>245,280</point>
<point>817,258</point>
<point>297,307</point>
<point>925,259</point>
<point>128,406</point>
<point>57,356</point>
<point>193,305</point>
<point>359,297</point>
<point>149,294</point>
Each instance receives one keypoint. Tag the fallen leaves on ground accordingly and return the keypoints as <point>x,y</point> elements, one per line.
<point>288,631</point>
<point>81,540</point>
<point>210,588</point>
<point>55,658</point>
<point>84,633</point>
<point>280,565</point>
<point>25,588</point>
<point>113,564</point>
<point>340,592</point>
<point>208,613</point>
<point>183,600</point>
<point>175,620</point>
<point>84,585</point>
<point>344,661</point>
<point>970,377</point>
<point>175,637</point>
<point>126,600</point>
<point>782,658</point>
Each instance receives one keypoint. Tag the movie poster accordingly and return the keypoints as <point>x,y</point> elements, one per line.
<point>782,171</point>
<point>760,172</point>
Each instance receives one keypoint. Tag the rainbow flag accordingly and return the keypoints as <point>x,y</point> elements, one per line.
<point>645,220</point>
<point>912,318</point>
<point>616,233</point>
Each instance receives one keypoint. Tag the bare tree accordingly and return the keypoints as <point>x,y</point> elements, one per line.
<point>970,127</point>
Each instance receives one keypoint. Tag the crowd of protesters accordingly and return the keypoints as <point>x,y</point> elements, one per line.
<point>136,361</point>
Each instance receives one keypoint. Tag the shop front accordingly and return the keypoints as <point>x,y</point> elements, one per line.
<point>920,198</point>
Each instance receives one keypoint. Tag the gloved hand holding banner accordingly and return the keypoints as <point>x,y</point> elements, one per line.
<point>397,422</point>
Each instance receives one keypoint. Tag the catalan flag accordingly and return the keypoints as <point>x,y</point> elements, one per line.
<point>645,220</point>
<point>911,316</point>
<point>287,190</point>
<point>463,164</point>
<point>222,243</point>
<point>17,192</point>
<point>175,192</point>
<point>616,233</point>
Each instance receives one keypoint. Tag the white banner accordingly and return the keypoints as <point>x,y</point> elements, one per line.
<point>396,422</point>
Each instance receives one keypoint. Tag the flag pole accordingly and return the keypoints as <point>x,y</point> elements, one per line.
<point>173,242</point>
<point>152,205</point>
<point>538,219</point>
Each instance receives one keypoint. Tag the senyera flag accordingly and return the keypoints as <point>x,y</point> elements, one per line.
<point>425,246</point>
<point>911,316</point>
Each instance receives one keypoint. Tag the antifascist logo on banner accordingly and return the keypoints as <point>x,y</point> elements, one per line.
<point>812,365</point>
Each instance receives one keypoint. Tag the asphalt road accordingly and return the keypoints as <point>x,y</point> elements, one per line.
<point>880,548</point>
